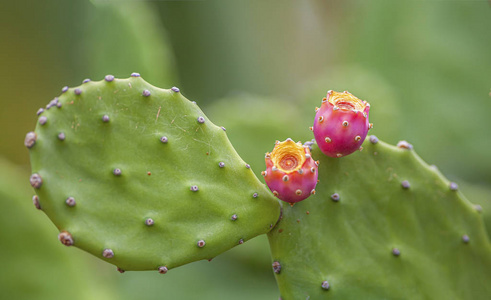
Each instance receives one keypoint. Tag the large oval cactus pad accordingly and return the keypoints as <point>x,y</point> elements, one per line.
<point>138,176</point>
<point>382,225</point>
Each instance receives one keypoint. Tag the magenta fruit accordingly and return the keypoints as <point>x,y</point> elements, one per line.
<point>291,173</point>
<point>341,124</point>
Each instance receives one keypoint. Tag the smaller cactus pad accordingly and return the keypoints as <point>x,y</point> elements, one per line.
<point>139,176</point>
<point>382,225</point>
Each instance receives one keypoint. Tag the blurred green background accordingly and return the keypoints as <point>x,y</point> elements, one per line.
<point>257,67</point>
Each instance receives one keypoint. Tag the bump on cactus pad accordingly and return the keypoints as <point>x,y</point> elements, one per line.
<point>382,225</point>
<point>140,177</point>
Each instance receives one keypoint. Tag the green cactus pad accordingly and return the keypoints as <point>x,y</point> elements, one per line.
<point>140,177</point>
<point>382,225</point>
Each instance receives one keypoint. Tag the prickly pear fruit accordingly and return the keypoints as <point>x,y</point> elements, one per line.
<point>291,173</point>
<point>341,124</point>
<point>141,178</point>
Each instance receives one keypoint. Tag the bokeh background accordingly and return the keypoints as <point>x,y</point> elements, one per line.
<point>257,67</point>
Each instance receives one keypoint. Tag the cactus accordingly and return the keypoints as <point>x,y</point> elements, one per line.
<point>291,173</point>
<point>385,225</point>
<point>139,177</point>
<point>341,124</point>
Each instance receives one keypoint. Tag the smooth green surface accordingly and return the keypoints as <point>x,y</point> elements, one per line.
<point>111,210</point>
<point>34,264</point>
<point>349,243</point>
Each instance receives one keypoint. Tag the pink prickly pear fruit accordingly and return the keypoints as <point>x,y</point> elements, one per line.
<point>341,124</point>
<point>291,173</point>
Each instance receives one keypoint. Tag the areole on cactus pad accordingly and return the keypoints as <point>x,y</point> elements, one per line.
<point>341,124</point>
<point>291,173</point>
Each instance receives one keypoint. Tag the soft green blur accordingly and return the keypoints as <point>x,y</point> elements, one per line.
<point>257,67</point>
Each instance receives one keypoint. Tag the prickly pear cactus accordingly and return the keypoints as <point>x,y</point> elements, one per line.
<point>140,177</point>
<point>382,225</point>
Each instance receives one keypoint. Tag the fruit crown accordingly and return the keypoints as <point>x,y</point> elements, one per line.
<point>288,156</point>
<point>346,101</point>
